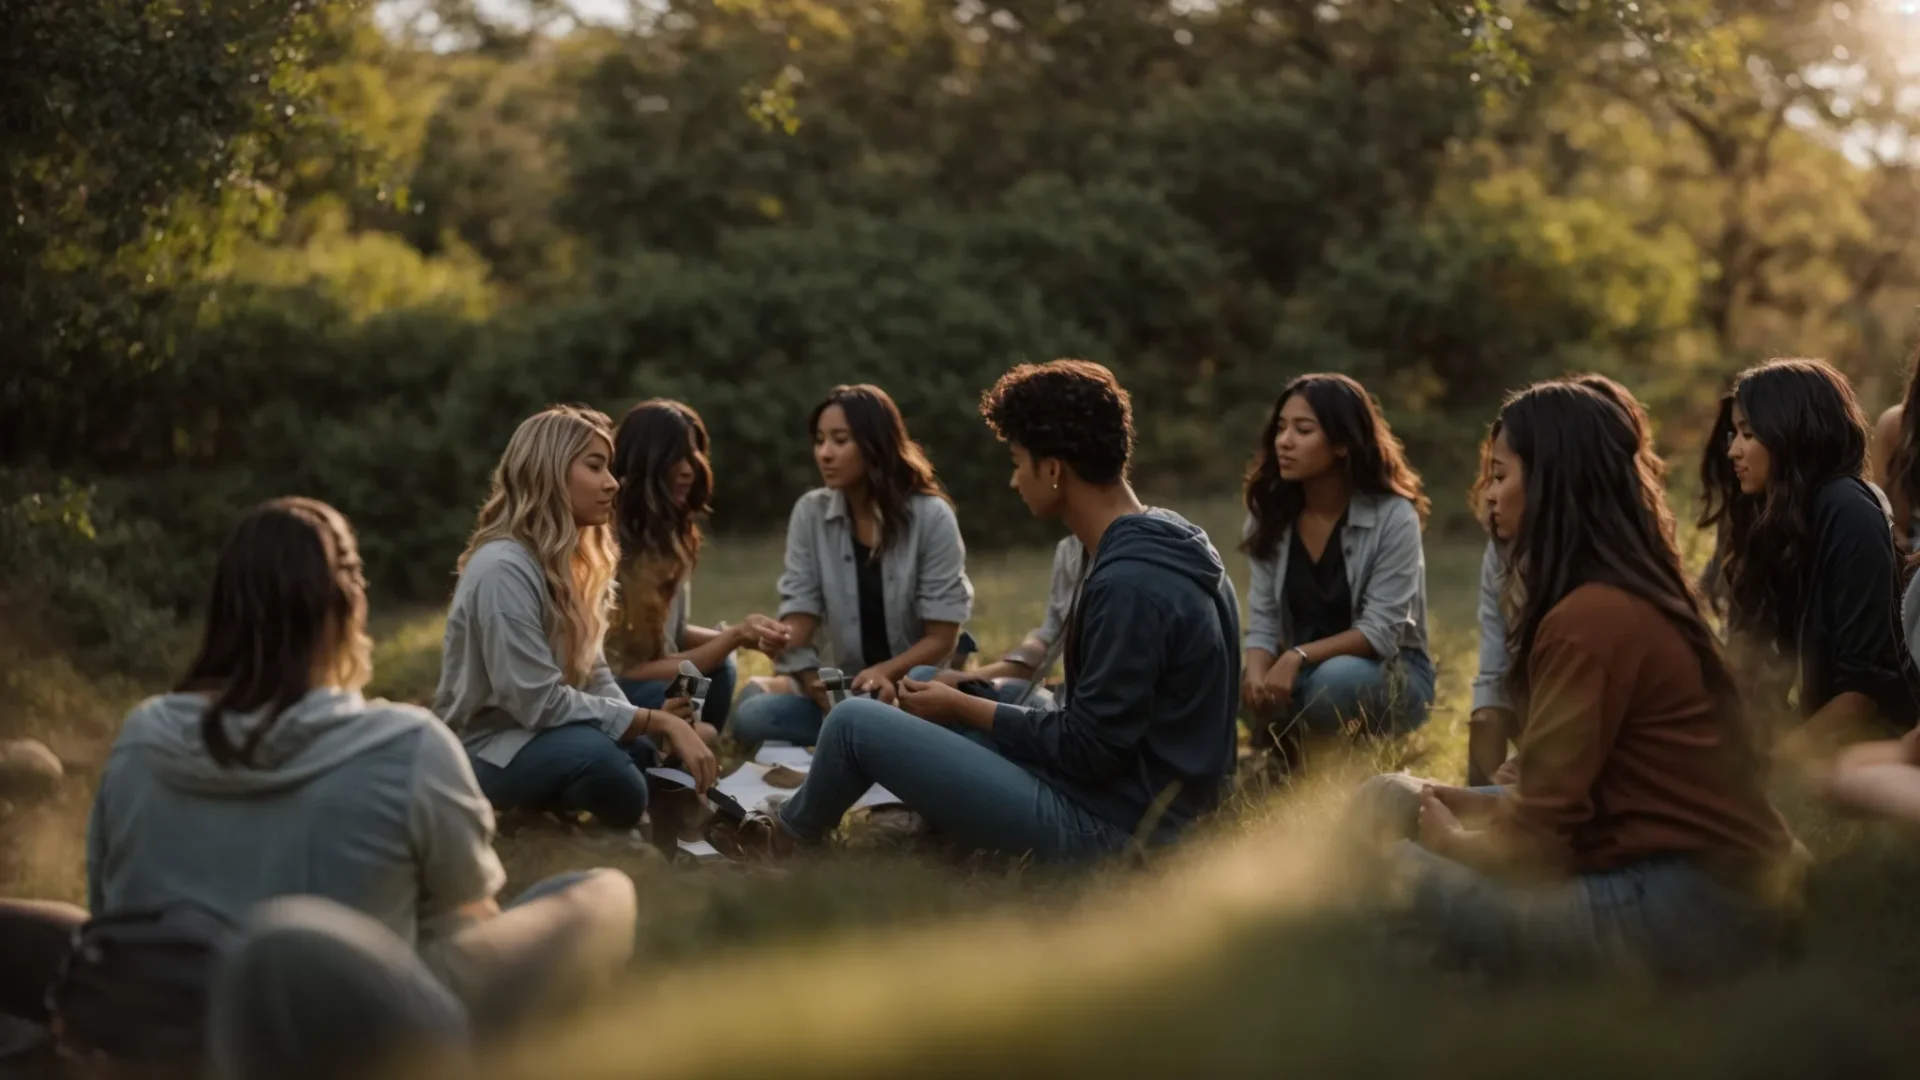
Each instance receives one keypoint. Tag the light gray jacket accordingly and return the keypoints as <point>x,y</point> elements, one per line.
<point>1069,560</point>
<point>1490,683</point>
<point>1386,570</point>
<point>499,682</point>
<point>924,577</point>
<point>370,804</point>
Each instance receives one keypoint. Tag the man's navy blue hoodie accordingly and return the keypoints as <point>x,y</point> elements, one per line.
<point>1152,680</point>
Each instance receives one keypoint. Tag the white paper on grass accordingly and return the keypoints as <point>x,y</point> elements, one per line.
<point>748,786</point>
<point>700,849</point>
<point>777,753</point>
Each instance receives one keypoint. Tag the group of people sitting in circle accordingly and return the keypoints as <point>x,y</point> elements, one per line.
<point>1615,812</point>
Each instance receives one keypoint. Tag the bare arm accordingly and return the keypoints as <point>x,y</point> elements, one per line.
<point>1886,439</point>
<point>933,648</point>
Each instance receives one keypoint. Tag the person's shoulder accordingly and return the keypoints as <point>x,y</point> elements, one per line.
<point>501,555</point>
<point>1599,615</point>
<point>1888,426</point>
<point>416,731</point>
<point>1848,501</point>
<point>1396,509</point>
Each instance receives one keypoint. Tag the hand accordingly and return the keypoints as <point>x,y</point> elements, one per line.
<point>680,707</point>
<point>809,684</point>
<point>756,631</point>
<point>1280,679</point>
<point>684,743</point>
<point>936,701</point>
<point>1465,804</point>
<point>1508,774</point>
<point>1439,828</point>
<point>875,683</point>
<point>1253,690</point>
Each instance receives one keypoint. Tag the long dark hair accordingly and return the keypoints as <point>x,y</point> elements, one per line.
<point>287,594</point>
<point>897,468</point>
<point>1903,465</point>
<point>654,438</point>
<point>1596,512</point>
<point>1375,459</point>
<point>1805,414</point>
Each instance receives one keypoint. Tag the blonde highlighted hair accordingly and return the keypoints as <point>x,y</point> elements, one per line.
<point>530,503</point>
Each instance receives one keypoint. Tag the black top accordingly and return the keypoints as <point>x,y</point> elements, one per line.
<point>1317,594</point>
<point>1848,631</point>
<point>873,606</point>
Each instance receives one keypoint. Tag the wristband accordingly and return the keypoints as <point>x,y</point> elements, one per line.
<point>1304,658</point>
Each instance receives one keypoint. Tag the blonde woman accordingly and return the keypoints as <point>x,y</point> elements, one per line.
<point>523,678</point>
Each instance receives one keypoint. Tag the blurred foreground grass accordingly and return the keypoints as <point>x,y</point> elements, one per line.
<point>1246,952</point>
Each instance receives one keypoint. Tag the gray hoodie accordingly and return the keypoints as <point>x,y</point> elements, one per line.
<point>367,803</point>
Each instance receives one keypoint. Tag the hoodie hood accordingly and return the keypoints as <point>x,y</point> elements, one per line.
<point>311,737</point>
<point>1163,539</point>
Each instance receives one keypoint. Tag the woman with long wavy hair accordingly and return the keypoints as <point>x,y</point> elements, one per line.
<point>1638,834</point>
<point>1806,563</point>
<point>660,457</point>
<point>1338,599</point>
<point>344,840</point>
<point>1493,723</point>
<point>876,570</point>
<point>523,675</point>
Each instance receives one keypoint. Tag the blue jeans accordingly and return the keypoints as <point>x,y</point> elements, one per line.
<point>960,784</point>
<point>793,718</point>
<point>573,768</point>
<point>1389,699</point>
<point>652,693</point>
<point>1662,916</point>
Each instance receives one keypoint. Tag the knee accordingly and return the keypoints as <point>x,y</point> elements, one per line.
<point>620,788</point>
<point>923,673</point>
<point>853,716</point>
<point>1353,674</point>
<point>609,906</point>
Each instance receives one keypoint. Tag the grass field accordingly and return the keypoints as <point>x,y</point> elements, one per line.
<point>1243,953</point>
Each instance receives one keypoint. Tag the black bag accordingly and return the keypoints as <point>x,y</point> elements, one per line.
<point>135,987</point>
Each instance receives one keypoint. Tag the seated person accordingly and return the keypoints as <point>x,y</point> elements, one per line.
<point>1018,678</point>
<point>1337,634</point>
<point>666,484</point>
<point>1493,725</point>
<point>1143,740</point>
<point>266,790</point>
<point>523,672</point>
<point>875,566</point>
<point>1638,834</point>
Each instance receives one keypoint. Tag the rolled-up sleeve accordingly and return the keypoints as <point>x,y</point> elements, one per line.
<point>1399,566</point>
<point>802,591</point>
<point>942,592</point>
<point>1490,683</point>
<point>1263,604</point>
<point>451,824</point>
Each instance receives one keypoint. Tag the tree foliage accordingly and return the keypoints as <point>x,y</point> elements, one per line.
<point>259,248</point>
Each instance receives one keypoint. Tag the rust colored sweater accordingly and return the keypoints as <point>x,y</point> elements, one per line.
<point>1623,758</point>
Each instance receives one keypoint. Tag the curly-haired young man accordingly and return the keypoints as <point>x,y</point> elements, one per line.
<point>1143,739</point>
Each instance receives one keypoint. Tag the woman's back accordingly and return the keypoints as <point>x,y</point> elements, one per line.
<point>369,804</point>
